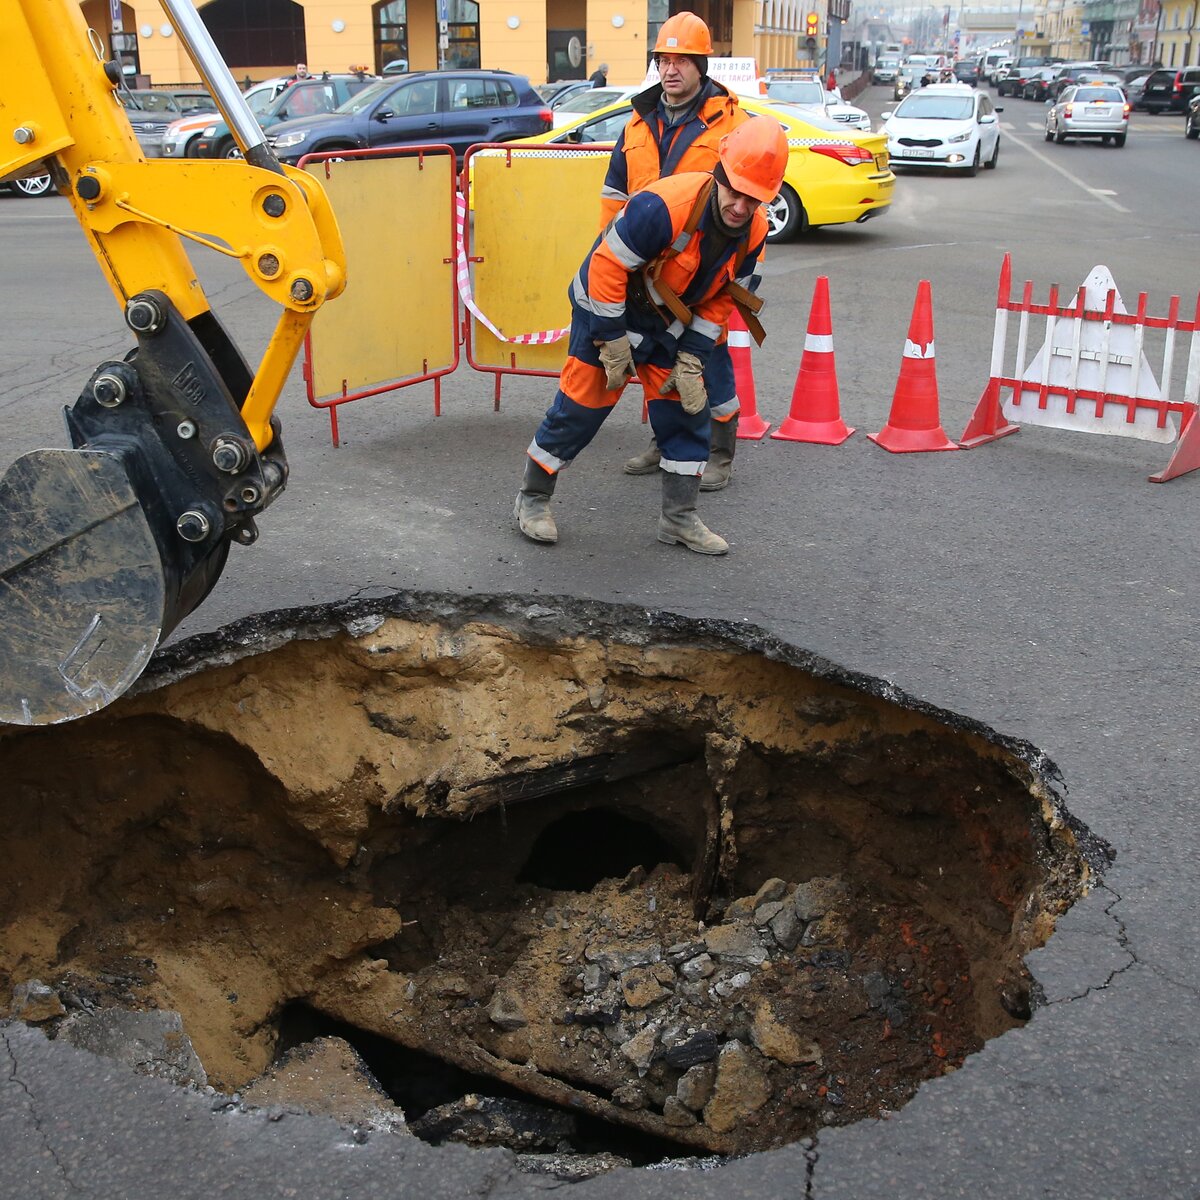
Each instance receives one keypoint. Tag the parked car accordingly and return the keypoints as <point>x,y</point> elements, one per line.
<point>555,93</point>
<point>457,108</point>
<point>181,136</point>
<point>1037,86</point>
<point>151,110</point>
<point>1089,110</point>
<point>304,97</point>
<point>31,185</point>
<point>1169,89</point>
<point>587,101</point>
<point>810,93</point>
<point>1191,124</point>
<point>834,176</point>
<point>947,125</point>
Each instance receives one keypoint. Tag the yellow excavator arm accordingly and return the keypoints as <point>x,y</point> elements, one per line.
<point>107,546</point>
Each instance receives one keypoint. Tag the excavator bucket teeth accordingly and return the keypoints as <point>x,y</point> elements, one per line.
<point>83,590</point>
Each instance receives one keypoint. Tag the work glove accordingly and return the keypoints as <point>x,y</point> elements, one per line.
<point>687,378</point>
<point>616,357</point>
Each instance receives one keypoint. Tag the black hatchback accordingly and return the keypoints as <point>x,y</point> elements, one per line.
<point>455,108</point>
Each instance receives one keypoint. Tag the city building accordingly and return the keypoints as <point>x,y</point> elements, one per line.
<point>543,39</point>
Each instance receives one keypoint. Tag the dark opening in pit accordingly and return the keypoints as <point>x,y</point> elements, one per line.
<point>578,850</point>
<point>698,895</point>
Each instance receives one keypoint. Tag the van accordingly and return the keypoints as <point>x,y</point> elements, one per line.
<point>885,68</point>
<point>990,61</point>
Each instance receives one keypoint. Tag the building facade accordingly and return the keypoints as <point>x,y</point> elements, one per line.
<point>543,39</point>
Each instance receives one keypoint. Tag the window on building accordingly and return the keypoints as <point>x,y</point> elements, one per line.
<point>657,11</point>
<point>257,33</point>
<point>463,29</point>
<point>391,33</point>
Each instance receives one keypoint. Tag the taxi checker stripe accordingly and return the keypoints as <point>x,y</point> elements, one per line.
<point>463,267</point>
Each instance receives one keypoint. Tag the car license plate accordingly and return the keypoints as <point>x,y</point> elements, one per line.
<point>918,152</point>
<point>881,162</point>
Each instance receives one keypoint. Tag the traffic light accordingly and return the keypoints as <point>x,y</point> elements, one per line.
<point>812,24</point>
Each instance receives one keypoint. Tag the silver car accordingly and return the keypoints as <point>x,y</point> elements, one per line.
<point>1089,110</point>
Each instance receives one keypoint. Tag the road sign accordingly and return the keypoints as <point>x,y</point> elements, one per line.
<point>114,16</point>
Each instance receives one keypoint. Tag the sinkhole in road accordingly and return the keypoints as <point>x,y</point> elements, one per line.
<point>671,878</point>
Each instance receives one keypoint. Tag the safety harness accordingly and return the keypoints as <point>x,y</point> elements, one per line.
<point>744,300</point>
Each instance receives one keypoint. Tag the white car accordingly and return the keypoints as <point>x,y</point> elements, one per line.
<point>178,140</point>
<point>946,125</point>
<point>811,94</point>
<point>588,101</point>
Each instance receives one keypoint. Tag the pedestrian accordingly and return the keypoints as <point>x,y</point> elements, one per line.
<point>677,125</point>
<point>301,71</point>
<point>650,301</point>
<point>599,77</point>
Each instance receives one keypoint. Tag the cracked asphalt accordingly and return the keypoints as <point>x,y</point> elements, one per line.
<point>1039,585</point>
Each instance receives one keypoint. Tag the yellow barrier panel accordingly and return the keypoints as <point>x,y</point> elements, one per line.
<point>396,318</point>
<point>537,213</point>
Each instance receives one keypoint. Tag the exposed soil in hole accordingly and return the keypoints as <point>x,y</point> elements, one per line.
<point>662,874</point>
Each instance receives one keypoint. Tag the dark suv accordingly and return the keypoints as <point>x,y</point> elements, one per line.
<point>455,108</point>
<point>1169,89</point>
<point>1076,72</point>
<point>304,97</point>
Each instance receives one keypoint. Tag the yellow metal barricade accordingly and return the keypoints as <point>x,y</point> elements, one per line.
<point>397,323</point>
<point>537,213</point>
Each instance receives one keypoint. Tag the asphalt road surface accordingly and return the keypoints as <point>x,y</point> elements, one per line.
<point>1040,585</point>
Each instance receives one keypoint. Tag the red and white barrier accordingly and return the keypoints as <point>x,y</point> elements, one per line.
<point>1091,372</point>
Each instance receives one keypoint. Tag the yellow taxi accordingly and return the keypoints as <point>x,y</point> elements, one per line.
<point>834,176</point>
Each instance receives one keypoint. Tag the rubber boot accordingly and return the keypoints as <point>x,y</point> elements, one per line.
<point>645,463</point>
<point>679,523</point>
<point>532,509</point>
<point>721,447</point>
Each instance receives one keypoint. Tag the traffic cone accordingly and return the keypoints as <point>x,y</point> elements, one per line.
<point>914,424</point>
<point>750,425</point>
<point>815,414</point>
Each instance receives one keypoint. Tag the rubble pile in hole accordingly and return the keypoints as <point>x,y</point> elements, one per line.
<point>340,812</point>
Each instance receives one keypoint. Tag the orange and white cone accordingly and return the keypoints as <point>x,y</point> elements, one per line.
<point>816,413</point>
<point>750,425</point>
<point>914,425</point>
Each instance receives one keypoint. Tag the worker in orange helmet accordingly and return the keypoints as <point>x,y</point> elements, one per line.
<point>651,301</point>
<point>677,125</point>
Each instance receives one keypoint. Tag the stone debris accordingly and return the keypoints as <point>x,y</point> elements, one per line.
<point>494,1121</point>
<point>789,1011</point>
<point>739,1091</point>
<point>327,1076</point>
<point>570,1168</point>
<point>506,1011</point>
<point>34,1002</point>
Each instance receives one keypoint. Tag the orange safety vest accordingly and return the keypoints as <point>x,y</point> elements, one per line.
<point>718,115</point>
<point>671,272</point>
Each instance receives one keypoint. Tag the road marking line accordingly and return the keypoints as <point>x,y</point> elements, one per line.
<point>1099,193</point>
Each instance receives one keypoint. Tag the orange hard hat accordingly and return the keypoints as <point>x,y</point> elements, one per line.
<point>684,33</point>
<point>755,156</point>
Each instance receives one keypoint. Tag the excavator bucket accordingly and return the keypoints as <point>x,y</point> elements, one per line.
<point>106,547</point>
<point>83,594</point>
